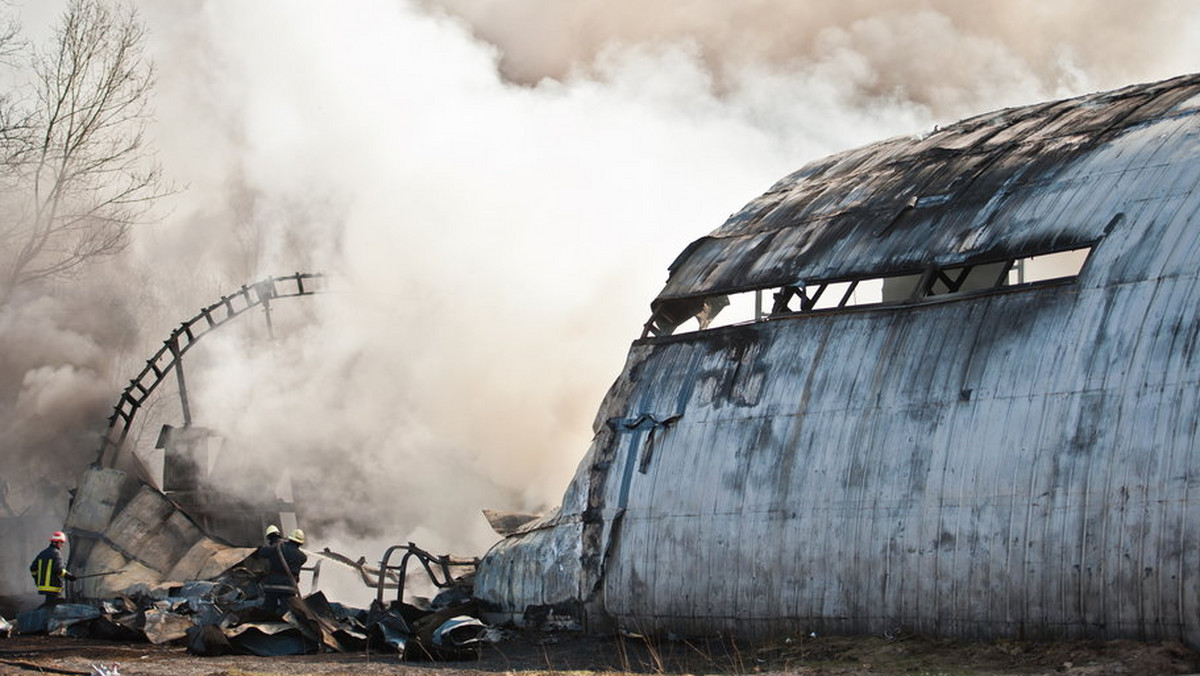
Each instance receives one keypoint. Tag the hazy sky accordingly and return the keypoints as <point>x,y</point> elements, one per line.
<point>498,186</point>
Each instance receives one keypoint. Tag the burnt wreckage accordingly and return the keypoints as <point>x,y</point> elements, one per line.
<point>964,400</point>
<point>164,554</point>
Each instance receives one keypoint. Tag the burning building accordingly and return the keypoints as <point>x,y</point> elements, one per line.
<point>963,400</point>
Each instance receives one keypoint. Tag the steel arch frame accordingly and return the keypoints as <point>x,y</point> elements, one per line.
<point>169,357</point>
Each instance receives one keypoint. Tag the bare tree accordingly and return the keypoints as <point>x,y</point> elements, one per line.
<point>79,173</point>
<point>15,119</point>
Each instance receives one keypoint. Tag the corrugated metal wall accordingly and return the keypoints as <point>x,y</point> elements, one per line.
<point>1016,463</point>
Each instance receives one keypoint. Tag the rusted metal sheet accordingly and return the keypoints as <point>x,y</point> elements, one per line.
<point>1013,462</point>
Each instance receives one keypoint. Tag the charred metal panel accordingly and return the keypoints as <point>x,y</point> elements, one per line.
<point>541,568</point>
<point>1018,479</point>
<point>904,204</point>
<point>135,535</point>
<point>542,565</point>
<point>1014,462</point>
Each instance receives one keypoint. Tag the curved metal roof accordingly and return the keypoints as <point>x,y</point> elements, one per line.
<point>1022,461</point>
<point>1008,182</point>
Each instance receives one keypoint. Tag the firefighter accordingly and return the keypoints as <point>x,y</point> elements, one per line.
<point>282,581</point>
<point>273,535</point>
<point>48,570</point>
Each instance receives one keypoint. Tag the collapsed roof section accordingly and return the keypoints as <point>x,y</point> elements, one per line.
<point>995,188</point>
<point>136,536</point>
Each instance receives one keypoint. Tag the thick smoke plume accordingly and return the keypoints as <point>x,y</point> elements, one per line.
<point>946,55</point>
<point>496,189</point>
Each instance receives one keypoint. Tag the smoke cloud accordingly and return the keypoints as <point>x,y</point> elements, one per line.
<point>496,189</point>
<point>943,54</point>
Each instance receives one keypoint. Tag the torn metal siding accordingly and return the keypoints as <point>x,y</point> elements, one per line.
<point>551,578</point>
<point>1013,463</point>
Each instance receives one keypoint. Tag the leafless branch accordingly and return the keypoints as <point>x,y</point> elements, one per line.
<point>75,165</point>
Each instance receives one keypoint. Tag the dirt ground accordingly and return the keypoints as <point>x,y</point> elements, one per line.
<point>571,653</point>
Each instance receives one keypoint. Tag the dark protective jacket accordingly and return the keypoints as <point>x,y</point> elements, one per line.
<point>283,566</point>
<point>48,571</point>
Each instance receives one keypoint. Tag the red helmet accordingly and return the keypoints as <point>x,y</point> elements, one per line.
<point>58,536</point>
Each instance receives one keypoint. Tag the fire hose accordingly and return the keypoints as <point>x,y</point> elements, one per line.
<point>107,572</point>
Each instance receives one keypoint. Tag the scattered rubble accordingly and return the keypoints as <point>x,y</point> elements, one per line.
<point>224,615</point>
<point>148,572</point>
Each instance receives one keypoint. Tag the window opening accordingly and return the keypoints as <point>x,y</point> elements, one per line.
<point>968,278</point>
<point>1047,267</point>
<point>819,296</point>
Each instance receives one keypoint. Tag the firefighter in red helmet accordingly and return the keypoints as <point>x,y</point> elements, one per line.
<point>48,570</point>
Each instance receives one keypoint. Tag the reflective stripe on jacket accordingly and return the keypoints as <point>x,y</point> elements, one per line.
<point>48,570</point>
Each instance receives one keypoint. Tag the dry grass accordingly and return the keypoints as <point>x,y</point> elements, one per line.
<point>565,654</point>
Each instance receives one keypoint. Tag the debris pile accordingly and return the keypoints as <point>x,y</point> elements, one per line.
<point>225,616</point>
<point>148,571</point>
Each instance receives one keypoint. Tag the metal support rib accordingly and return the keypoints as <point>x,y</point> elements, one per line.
<point>168,358</point>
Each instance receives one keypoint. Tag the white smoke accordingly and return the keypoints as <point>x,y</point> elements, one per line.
<point>497,188</point>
